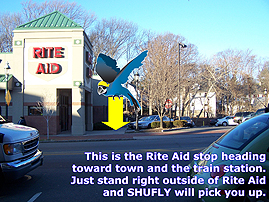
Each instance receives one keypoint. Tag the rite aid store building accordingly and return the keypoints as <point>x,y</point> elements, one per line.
<point>51,59</point>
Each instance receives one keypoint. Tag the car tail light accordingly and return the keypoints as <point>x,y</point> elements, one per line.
<point>220,173</point>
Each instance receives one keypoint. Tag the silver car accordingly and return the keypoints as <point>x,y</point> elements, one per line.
<point>146,123</point>
<point>190,122</point>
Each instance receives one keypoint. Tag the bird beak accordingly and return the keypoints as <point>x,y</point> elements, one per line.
<point>99,90</point>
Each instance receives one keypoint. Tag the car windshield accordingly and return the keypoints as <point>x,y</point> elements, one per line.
<point>143,118</point>
<point>238,114</point>
<point>240,136</point>
<point>150,118</point>
<point>165,118</point>
<point>260,111</point>
<point>246,113</point>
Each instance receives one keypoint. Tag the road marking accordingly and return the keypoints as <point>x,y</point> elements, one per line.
<point>62,153</point>
<point>34,197</point>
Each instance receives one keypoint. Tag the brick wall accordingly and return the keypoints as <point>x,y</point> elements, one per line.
<point>100,114</point>
<point>40,123</point>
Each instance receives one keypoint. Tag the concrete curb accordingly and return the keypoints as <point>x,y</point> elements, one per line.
<point>173,129</point>
<point>110,136</point>
<point>87,140</point>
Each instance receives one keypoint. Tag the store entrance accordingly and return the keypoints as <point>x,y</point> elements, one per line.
<point>65,103</point>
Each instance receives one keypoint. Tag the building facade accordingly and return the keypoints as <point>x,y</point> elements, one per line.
<point>51,64</point>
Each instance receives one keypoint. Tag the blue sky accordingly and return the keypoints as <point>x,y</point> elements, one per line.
<point>212,25</point>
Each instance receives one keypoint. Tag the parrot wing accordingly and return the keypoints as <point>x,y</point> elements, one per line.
<point>128,94</point>
<point>135,102</point>
<point>122,77</point>
<point>106,68</point>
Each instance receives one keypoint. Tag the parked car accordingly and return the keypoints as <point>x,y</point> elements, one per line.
<point>226,121</point>
<point>237,158</point>
<point>238,117</point>
<point>142,118</point>
<point>258,112</point>
<point>248,117</point>
<point>19,153</point>
<point>190,122</point>
<point>146,123</point>
<point>214,121</point>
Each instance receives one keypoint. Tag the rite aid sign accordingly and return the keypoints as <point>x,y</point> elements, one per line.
<point>50,62</point>
<point>48,52</point>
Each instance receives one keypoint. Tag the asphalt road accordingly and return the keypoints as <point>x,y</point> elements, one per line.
<point>120,169</point>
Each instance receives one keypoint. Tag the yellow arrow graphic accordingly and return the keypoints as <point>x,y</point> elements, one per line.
<point>115,113</point>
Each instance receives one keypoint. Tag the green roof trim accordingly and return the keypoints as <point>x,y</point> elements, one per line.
<point>54,20</point>
<point>3,77</point>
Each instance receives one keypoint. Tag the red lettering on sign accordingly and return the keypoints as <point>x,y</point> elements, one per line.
<point>54,70</point>
<point>49,51</point>
<point>43,52</point>
<point>47,68</point>
<point>50,68</point>
<point>36,52</point>
<point>40,69</point>
<point>58,52</point>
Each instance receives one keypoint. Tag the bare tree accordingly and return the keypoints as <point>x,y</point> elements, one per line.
<point>83,17</point>
<point>47,107</point>
<point>211,77</point>
<point>161,71</point>
<point>8,22</point>
<point>263,86</point>
<point>33,10</point>
<point>264,75</point>
<point>230,74</point>
<point>189,75</point>
<point>113,37</point>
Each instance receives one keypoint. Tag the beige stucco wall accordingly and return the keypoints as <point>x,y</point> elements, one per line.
<point>25,64</point>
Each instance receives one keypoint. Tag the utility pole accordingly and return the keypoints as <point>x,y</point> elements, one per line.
<point>181,45</point>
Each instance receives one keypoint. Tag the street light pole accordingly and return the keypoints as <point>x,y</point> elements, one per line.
<point>266,97</point>
<point>136,79</point>
<point>180,45</point>
<point>7,68</point>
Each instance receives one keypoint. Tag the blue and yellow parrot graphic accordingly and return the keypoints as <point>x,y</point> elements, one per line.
<point>114,78</point>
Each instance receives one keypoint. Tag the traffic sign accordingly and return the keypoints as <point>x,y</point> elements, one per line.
<point>8,97</point>
<point>168,104</point>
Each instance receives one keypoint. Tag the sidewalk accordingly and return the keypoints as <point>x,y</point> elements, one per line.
<point>100,135</point>
<point>124,134</point>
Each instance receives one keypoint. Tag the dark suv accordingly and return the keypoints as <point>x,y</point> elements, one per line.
<point>240,115</point>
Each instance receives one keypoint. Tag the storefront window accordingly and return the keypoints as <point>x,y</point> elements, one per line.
<point>35,111</point>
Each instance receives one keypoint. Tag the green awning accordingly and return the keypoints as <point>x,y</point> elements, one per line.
<point>3,77</point>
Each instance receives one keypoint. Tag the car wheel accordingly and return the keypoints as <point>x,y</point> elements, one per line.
<point>224,124</point>
<point>149,126</point>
